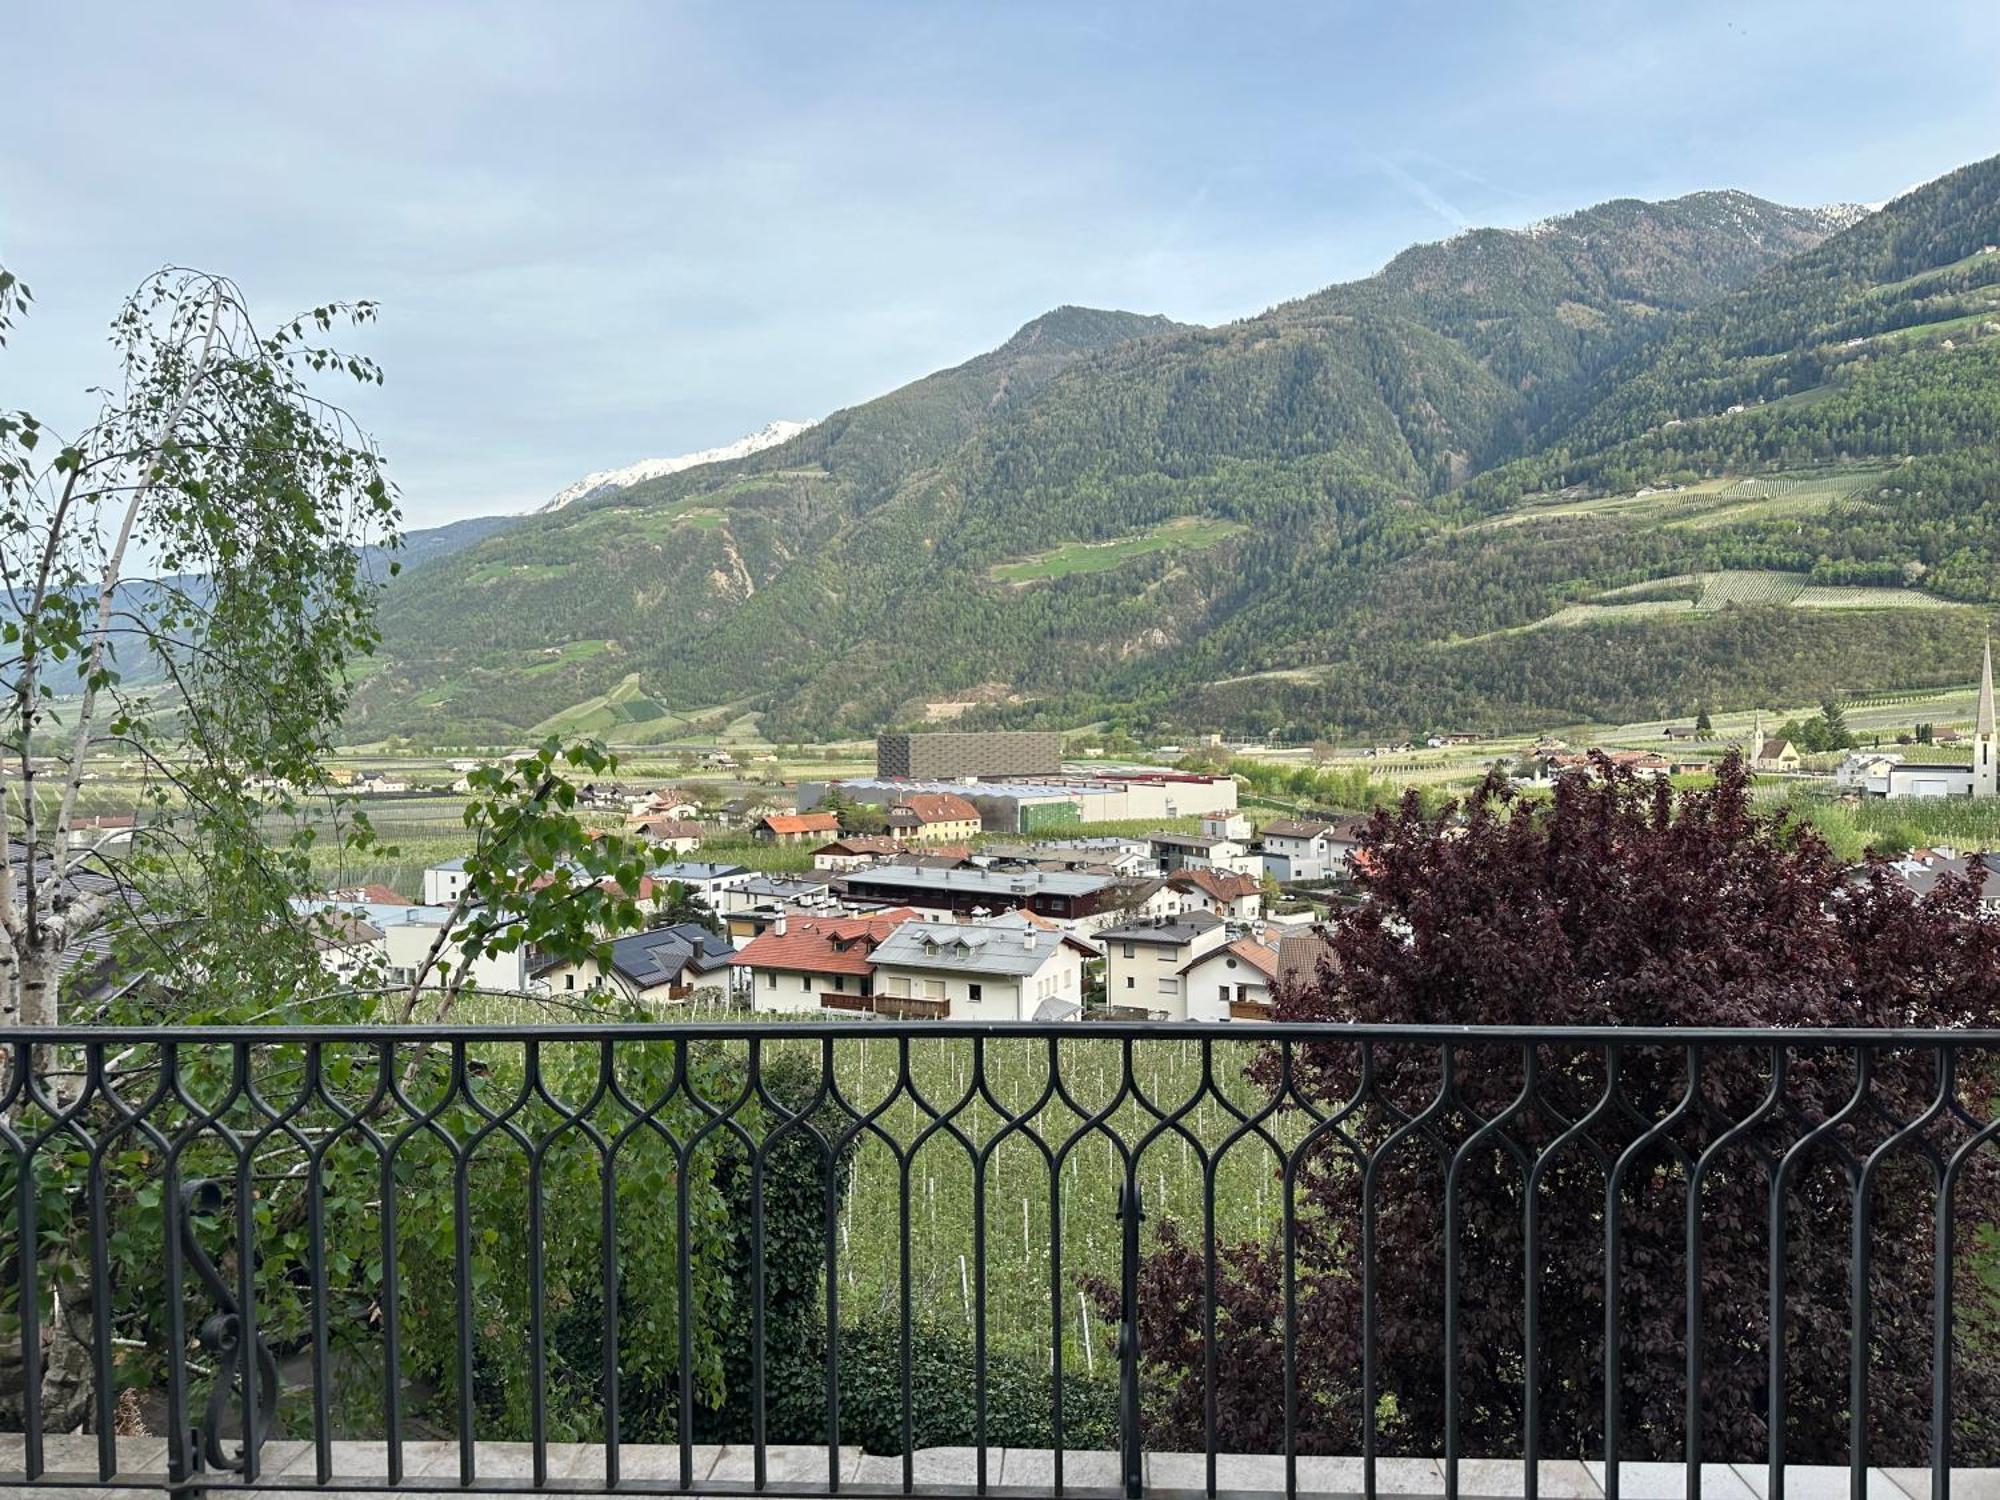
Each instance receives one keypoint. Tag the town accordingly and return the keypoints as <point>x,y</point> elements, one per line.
<point>963,881</point>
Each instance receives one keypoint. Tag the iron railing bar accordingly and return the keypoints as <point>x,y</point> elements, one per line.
<point>1943,1314</point>
<point>1779,1321</point>
<point>1697,1177</point>
<point>1829,1038</point>
<point>1454,1228</point>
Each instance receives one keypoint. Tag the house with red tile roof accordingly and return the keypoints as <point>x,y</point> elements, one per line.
<point>933,816</point>
<point>796,828</point>
<point>811,964</point>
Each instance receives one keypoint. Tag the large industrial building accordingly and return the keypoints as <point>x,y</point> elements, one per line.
<point>1047,804</point>
<point>979,753</point>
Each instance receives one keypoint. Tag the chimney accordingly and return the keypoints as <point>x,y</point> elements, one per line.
<point>1028,938</point>
<point>779,926</point>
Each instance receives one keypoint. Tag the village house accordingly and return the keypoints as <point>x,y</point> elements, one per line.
<point>748,811</point>
<point>444,882</point>
<point>678,835</point>
<point>407,942</point>
<point>350,947</point>
<point>856,851</point>
<point>659,966</point>
<point>1222,893</point>
<point>1008,968</point>
<point>820,963</point>
<point>795,828</point>
<point>1189,851</point>
<point>709,882</point>
<point>1231,983</point>
<point>672,803</point>
<point>934,817</point>
<point>1305,850</point>
<point>1143,960</point>
<point>1922,869</point>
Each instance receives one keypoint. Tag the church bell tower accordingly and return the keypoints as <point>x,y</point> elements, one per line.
<point>1985,742</point>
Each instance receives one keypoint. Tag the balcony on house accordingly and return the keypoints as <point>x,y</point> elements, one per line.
<point>874,1255</point>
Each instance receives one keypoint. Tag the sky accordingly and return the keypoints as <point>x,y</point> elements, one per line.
<point>600,231</point>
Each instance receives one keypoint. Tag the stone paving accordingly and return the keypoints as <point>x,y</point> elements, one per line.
<point>431,1470</point>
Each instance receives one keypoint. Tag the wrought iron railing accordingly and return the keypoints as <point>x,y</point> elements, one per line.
<point>300,1255</point>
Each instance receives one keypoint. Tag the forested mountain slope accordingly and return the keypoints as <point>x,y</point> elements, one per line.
<point>1271,521</point>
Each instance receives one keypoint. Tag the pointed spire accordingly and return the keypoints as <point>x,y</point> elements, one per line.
<point>1984,727</point>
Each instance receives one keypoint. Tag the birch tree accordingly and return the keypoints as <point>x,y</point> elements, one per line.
<point>179,587</point>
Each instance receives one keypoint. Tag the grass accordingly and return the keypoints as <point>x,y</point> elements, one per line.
<point>1184,533</point>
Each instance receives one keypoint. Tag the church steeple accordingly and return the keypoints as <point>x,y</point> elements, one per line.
<point>1984,728</point>
<point>1985,742</point>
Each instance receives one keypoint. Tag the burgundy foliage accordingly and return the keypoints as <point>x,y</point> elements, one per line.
<point>1619,903</point>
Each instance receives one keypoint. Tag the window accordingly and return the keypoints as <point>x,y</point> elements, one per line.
<point>569,981</point>
<point>1130,951</point>
<point>972,993</point>
<point>770,980</point>
<point>806,983</point>
<point>1170,986</point>
<point>1224,996</point>
<point>1128,981</point>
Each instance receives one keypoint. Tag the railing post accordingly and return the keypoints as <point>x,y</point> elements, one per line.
<point>248,1365</point>
<point>1131,1450</point>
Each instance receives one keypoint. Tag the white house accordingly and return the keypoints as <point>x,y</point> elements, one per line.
<point>444,882</point>
<point>1309,849</point>
<point>814,963</point>
<point>1189,851</point>
<point>405,944</point>
<point>1143,960</point>
<point>1232,982</point>
<point>710,881</point>
<point>1233,897</point>
<point>660,965</point>
<point>1006,968</point>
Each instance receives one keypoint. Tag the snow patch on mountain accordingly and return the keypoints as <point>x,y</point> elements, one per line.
<point>606,480</point>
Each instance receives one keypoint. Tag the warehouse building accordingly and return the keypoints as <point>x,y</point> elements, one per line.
<point>969,753</point>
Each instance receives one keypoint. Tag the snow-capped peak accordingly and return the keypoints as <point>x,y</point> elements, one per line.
<point>604,480</point>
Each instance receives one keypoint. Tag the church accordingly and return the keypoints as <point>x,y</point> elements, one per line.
<point>1892,776</point>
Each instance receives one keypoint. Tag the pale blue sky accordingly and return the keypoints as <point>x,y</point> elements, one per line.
<point>605,231</point>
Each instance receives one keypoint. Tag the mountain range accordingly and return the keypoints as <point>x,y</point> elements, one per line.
<point>1712,451</point>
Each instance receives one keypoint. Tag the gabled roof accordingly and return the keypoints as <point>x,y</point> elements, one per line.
<point>663,829</point>
<point>1300,955</point>
<point>800,823</point>
<point>1773,749</point>
<point>862,843</point>
<point>938,807</point>
<point>1221,885</point>
<point>1261,958</point>
<point>668,955</point>
<point>822,945</point>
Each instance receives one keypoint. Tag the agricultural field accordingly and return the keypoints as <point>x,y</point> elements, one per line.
<point>1183,534</point>
<point>1706,593</point>
<point>961,1151</point>
<point>1724,501</point>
